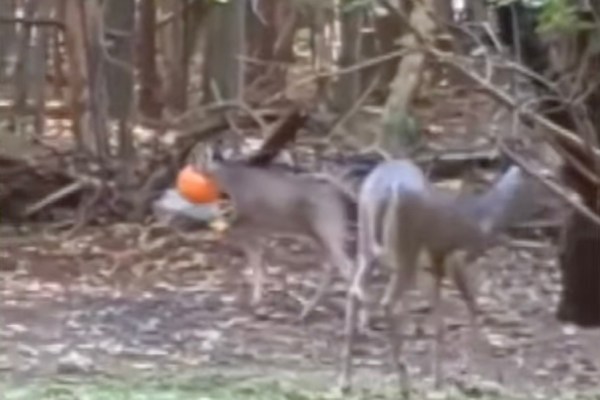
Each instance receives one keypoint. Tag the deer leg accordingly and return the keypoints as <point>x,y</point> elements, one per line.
<point>366,252</point>
<point>354,297</point>
<point>390,300</point>
<point>461,279</point>
<point>255,257</point>
<point>352,304</point>
<point>357,282</point>
<point>331,242</point>
<point>438,272</point>
<point>402,258</point>
<point>402,275</point>
<point>325,282</point>
<point>253,254</point>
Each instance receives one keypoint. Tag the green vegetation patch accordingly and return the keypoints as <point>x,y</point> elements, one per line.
<point>208,388</point>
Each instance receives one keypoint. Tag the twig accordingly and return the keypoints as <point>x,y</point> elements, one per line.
<point>167,19</point>
<point>242,105</point>
<point>504,98</point>
<point>553,187</point>
<point>529,245</point>
<point>577,164</point>
<point>221,106</point>
<point>341,71</point>
<point>4,19</point>
<point>54,197</point>
<point>85,206</point>
<point>257,12</point>
<point>230,121</point>
<point>486,27</point>
<point>357,104</point>
<point>375,145</point>
<point>529,73</point>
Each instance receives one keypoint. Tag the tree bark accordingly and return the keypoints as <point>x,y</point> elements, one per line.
<point>580,250</point>
<point>225,43</point>
<point>22,84</point>
<point>175,79</point>
<point>120,27</point>
<point>76,70</point>
<point>399,128</point>
<point>39,66</point>
<point>262,35</point>
<point>90,13</point>
<point>348,87</point>
<point>476,10</point>
<point>119,20</point>
<point>7,33</point>
<point>388,29</point>
<point>149,83</point>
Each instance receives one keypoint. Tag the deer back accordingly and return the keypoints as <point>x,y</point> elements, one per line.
<point>280,200</point>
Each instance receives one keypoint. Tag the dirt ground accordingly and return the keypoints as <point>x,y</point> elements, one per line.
<point>127,300</point>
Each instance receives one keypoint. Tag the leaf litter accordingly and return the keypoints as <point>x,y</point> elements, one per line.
<point>147,299</point>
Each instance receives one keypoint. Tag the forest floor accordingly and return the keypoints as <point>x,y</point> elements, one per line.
<point>131,304</point>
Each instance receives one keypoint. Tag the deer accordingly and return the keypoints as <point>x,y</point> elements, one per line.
<point>277,201</point>
<point>402,215</point>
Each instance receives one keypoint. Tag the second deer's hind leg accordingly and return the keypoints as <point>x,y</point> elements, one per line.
<point>438,273</point>
<point>403,268</point>
<point>459,273</point>
<point>390,302</point>
<point>331,240</point>
<point>351,314</point>
<point>324,284</point>
<point>255,258</point>
<point>368,249</point>
<point>330,233</point>
<point>458,268</point>
<point>253,250</point>
<point>355,303</point>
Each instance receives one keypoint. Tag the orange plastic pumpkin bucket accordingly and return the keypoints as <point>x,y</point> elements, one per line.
<point>196,187</point>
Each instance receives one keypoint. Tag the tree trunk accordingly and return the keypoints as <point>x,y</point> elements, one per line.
<point>7,33</point>
<point>270,39</point>
<point>476,10</point>
<point>388,29</point>
<point>580,250</point>
<point>119,23</point>
<point>578,261</point>
<point>523,40</point>
<point>399,128</point>
<point>91,15</point>
<point>22,75</point>
<point>76,70</point>
<point>262,35</point>
<point>175,60</point>
<point>39,66</point>
<point>149,83</point>
<point>348,87</point>
<point>119,20</point>
<point>225,43</point>
<point>57,43</point>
